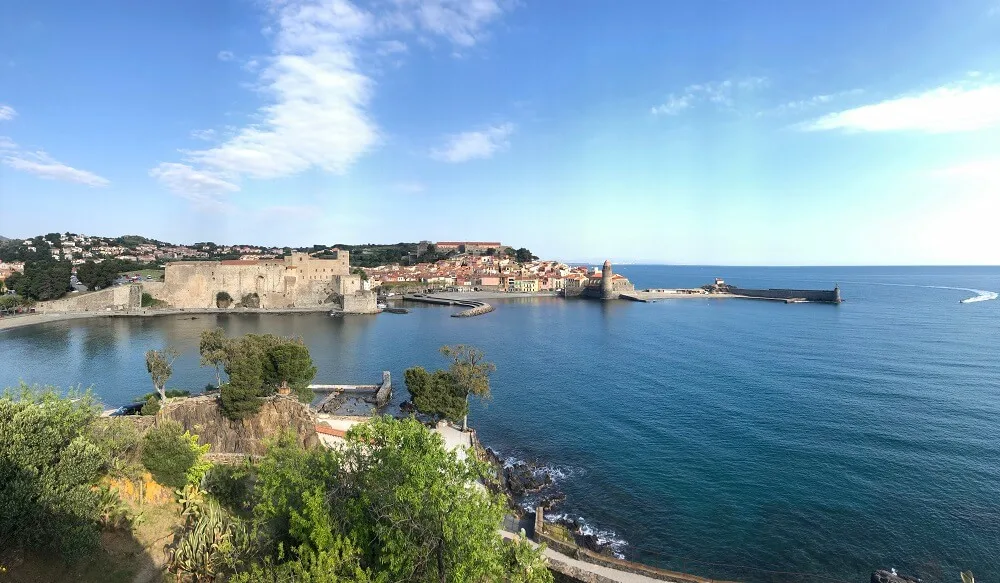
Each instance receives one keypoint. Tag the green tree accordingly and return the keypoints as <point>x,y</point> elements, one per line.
<point>159,365</point>
<point>436,394</point>
<point>212,349</point>
<point>524,256</point>
<point>290,362</point>
<point>98,275</point>
<point>257,364</point>
<point>403,490</point>
<point>43,280</point>
<point>470,372</point>
<point>49,467</point>
<point>172,454</point>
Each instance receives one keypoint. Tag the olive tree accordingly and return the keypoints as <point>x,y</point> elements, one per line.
<point>159,364</point>
<point>470,371</point>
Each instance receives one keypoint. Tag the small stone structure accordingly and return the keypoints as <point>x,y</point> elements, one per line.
<point>353,400</point>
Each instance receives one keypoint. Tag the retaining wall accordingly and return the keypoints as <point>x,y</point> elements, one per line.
<point>118,298</point>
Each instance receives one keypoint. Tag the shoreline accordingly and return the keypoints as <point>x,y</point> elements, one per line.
<point>21,321</point>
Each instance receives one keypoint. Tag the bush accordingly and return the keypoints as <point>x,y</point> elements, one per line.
<point>173,455</point>
<point>151,407</point>
<point>231,485</point>
<point>49,469</point>
<point>250,301</point>
<point>149,301</point>
<point>223,300</point>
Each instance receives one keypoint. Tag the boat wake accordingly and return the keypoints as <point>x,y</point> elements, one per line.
<point>981,294</point>
<point>982,297</point>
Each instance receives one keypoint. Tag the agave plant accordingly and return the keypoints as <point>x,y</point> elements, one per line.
<point>114,513</point>
<point>210,537</point>
<point>967,577</point>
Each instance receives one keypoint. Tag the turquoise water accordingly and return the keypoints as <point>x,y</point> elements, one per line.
<point>806,438</point>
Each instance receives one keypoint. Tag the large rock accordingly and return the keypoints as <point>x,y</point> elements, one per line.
<point>203,416</point>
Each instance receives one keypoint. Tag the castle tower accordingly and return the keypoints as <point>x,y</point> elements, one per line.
<point>607,291</point>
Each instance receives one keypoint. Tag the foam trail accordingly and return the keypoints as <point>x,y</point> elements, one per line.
<point>981,294</point>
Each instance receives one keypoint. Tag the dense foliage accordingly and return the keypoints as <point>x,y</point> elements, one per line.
<point>256,365</point>
<point>97,275</point>
<point>524,256</point>
<point>392,504</point>
<point>49,467</point>
<point>173,455</point>
<point>436,394</point>
<point>42,280</point>
<point>445,394</point>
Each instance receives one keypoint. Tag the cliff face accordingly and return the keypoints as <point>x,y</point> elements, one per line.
<point>203,417</point>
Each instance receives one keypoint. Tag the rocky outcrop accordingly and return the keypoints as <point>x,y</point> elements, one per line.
<point>203,416</point>
<point>883,576</point>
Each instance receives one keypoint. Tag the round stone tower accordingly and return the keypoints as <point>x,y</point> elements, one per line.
<point>607,289</point>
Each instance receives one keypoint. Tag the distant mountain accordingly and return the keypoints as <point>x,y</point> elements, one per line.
<point>3,239</point>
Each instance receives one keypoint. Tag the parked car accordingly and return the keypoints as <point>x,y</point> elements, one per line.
<point>132,409</point>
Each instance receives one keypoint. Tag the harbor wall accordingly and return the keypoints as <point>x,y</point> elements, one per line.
<point>810,295</point>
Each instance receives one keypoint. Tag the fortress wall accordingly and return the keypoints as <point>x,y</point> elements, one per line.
<point>360,303</point>
<point>195,284</point>
<point>123,297</point>
<point>811,295</point>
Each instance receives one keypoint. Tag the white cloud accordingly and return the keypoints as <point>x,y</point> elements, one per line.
<point>41,164</point>
<point>6,112</point>
<point>673,105</point>
<point>317,96</point>
<point>954,108</point>
<point>802,105</point>
<point>207,135</point>
<point>480,144</point>
<point>7,143</point>
<point>391,47</point>
<point>190,183</point>
<point>251,66</point>
<point>226,55</point>
<point>722,94</point>
<point>982,173</point>
<point>460,21</point>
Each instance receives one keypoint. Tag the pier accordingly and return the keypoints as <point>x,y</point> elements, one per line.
<point>352,400</point>
<point>475,307</point>
<point>720,290</point>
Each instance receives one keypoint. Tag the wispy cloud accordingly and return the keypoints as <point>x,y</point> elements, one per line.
<point>317,111</point>
<point>7,144</point>
<point>952,108</point>
<point>985,172</point>
<point>391,47</point>
<point>207,135</point>
<point>479,144</point>
<point>722,94</point>
<point>187,181</point>
<point>40,164</point>
<point>809,103</point>
<point>226,55</point>
<point>460,21</point>
<point>6,112</point>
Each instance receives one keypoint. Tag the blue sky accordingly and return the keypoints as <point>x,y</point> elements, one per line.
<point>721,132</point>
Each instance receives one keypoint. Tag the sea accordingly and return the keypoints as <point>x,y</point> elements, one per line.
<point>735,439</point>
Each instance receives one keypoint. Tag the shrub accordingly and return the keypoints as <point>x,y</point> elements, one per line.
<point>49,467</point>
<point>170,454</point>
<point>223,300</point>
<point>250,301</point>
<point>151,406</point>
<point>231,485</point>
<point>149,301</point>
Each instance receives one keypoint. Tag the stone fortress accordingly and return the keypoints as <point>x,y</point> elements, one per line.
<point>294,281</point>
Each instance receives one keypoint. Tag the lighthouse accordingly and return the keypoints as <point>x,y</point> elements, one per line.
<point>607,290</point>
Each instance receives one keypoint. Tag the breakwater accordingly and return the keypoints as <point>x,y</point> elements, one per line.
<point>790,295</point>
<point>475,307</point>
